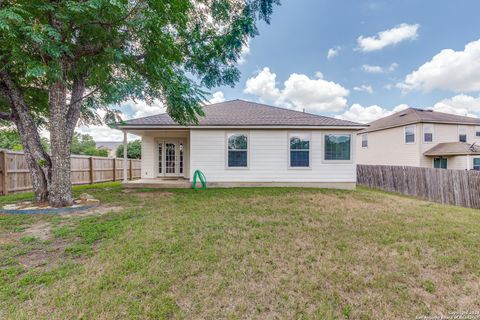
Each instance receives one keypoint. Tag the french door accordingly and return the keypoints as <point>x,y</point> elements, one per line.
<point>171,158</point>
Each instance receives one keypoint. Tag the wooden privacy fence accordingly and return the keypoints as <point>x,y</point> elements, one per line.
<point>457,187</point>
<point>15,176</point>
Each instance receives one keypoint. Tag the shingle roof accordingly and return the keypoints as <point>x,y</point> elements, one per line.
<point>453,148</point>
<point>413,115</point>
<point>245,113</point>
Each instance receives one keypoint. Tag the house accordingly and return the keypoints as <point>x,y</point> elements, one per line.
<point>421,138</point>
<point>110,146</point>
<point>241,143</point>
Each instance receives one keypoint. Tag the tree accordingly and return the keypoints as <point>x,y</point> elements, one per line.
<point>85,145</point>
<point>62,61</point>
<point>10,140</point>
<point>134,150</point>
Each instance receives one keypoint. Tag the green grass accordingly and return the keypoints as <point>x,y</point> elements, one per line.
<point>241,253</point>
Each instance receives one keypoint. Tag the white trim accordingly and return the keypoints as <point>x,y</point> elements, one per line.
<point>433,132</point>
<point>361,141</point>
<point>247,133</point>
<point>414,134</point>
<point>310,143</point>
<point>458,132</point>
<point>352,149</point>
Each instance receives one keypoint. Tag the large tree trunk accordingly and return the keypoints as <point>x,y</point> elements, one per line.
<point>37,159</point>
<point>63,120</point>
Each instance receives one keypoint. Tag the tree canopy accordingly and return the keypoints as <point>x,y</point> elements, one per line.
<point>84,144</point>
<point>134,150</point>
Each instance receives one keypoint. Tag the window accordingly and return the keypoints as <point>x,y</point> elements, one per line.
<point>462,133</point>
<point>440,163</point>
<point>476,164</point>
<point>299,150</point>
<point>364,140</point>
<point>237,150</point>
<point>428,132</point>
<point>477,131</point>
<point>410,134</point>
<point>337,146</point>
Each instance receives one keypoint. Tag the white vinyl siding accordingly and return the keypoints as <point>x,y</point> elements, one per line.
<point>268,158</point>
<point>149,157</point>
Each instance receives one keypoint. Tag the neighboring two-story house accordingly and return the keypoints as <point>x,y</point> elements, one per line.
<point>421,138</point>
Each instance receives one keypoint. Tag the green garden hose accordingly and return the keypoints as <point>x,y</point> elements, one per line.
<point>200,176</point>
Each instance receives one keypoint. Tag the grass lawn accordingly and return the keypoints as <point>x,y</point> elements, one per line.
<point>241,253</point>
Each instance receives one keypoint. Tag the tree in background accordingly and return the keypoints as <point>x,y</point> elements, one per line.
<point>10,140</point>
<point>63,60</point>
<point>84,144</point>
<point>134,150</point>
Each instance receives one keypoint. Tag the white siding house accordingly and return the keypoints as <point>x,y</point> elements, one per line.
<point>239,143</point>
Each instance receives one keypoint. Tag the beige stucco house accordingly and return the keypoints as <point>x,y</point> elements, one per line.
<point>421,138</point>
<point>242,143</point>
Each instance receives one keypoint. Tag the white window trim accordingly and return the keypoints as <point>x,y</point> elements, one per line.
<point>473,162</point>
<point>361,140</point>
<point>289,133</point>
<point>414,134</point>
<point>458,132</point>
<point>433,133</point>
<point>477,129</point>
<point>227,133</point>
<point>352,149</point>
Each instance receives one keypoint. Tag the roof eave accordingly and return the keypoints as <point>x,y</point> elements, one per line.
<point>167,127</point>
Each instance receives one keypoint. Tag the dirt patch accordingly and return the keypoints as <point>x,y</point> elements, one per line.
<point>41,231</point>
<point>150,195</point>
<point>96,211</point>
<point>44,257</point>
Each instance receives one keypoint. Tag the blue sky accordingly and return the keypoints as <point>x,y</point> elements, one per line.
<point>385,55</point>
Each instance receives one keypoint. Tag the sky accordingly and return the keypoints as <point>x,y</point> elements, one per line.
<point>355,60</point>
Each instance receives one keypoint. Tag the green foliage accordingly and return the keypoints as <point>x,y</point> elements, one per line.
<point>85,145</point>
<point>10,139</point>
<point>134,150</point>
<point>166,50</point>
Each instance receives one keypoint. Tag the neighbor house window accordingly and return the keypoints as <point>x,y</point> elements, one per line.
<point>364,140</point>
<point>237,150</point>
<point>337,147</point>
<point>299,150</point>
<point>428,132</point>
<point>462,133</point>
<point>477,131</point>
<point>440,163</point>
<point>410,134</point>
<point>476,164</point>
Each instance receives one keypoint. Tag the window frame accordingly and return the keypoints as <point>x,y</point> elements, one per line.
<point>477,131</point>
<point>414,134</point>
<point>352,149</point>
<point>440,158</point>
<point>366,140</point>
<point>466,133</point>
<point>473,163</point>
<point>426,125</point>
<point>289,134</point>
<point>229,133</point>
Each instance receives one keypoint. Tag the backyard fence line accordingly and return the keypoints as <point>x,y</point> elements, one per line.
<point>15,176</point>
<point>456,187</point>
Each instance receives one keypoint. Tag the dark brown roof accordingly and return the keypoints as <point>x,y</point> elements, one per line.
<point>245,113</point>
<point>452,149</point>
<point>413,115</point>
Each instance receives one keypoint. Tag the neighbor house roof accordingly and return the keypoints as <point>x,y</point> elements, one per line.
<point>245,114</point>
<point>453,149</point>
<point>413,115</point>
<point>108,144</point>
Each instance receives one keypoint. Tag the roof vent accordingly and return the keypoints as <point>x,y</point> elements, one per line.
<point>403,114</point>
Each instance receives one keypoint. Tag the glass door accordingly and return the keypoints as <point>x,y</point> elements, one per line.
<point>170,159</point>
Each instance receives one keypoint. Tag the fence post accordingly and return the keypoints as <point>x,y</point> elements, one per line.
<point>5,173</point>
<point>131,171</point>
<point>91,170</point>
<point>114,169</point>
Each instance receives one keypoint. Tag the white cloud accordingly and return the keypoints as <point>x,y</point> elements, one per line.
<point>217,97</point>
<point>244,53</point>
<point>333,52</point>
<point>300,91</point>
<point>104,133</point>
<point>358,113</point>
<point>143,109</point>
<point>457,71</point>
<point>364,88</point>
<point>388,37</point>
<point>461,104</point>
<point>378,69</point>
<point>372,69</point>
